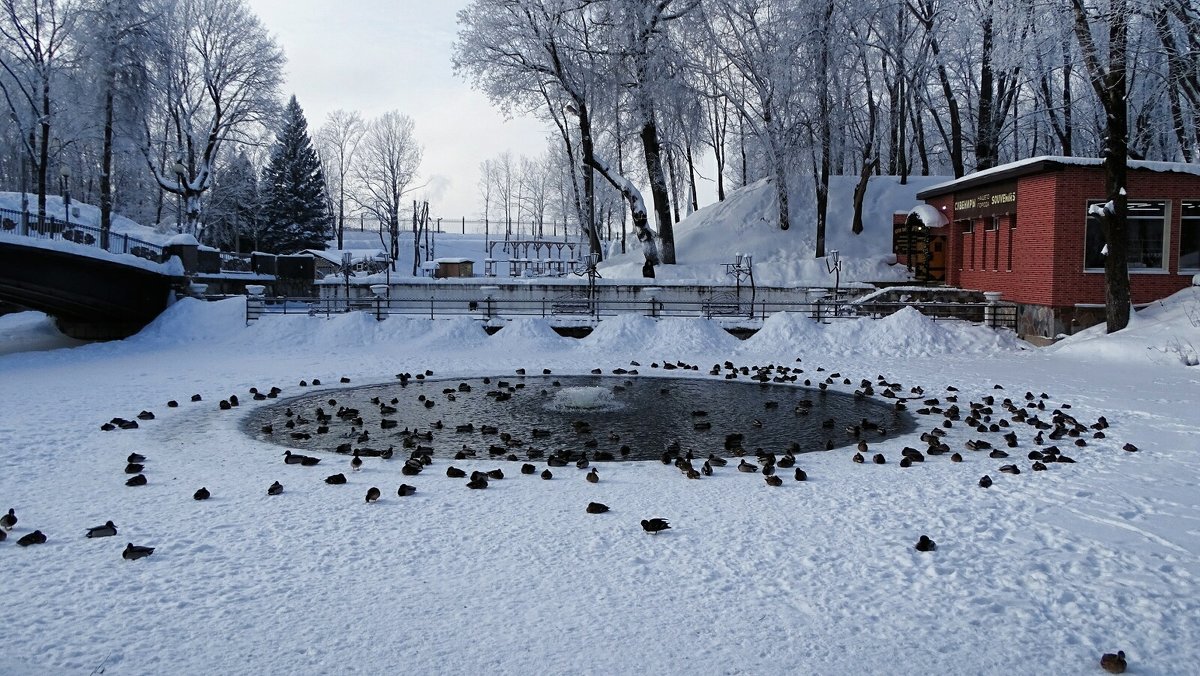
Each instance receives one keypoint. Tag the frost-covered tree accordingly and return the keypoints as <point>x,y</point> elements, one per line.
<point>34,42</point>
<point>293,189</point>
<point>215,74</point>
<point>234,209</point>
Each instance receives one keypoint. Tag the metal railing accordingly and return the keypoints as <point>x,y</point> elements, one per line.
<point>575,309</point>
<point>15,223</point>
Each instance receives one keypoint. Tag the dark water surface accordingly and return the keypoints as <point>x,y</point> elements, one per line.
<point>592,414</point>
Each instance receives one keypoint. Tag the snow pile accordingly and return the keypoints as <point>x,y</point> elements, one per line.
<point>528,333</point>
<point>31,332</point>
<point>1165,332</point>
<point>746,222</point>
<point>906,333</point>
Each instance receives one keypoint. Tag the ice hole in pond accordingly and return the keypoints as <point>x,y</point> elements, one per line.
<point>622,418</point>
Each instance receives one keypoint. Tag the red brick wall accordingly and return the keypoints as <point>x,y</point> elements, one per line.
<point>1048,243</point>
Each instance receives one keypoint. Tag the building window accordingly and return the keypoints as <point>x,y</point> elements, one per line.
<point>1189,236</point>
<point>992,223</point>
<point>983,259</point>
<point>967,226</point>
<point>1146,236</point>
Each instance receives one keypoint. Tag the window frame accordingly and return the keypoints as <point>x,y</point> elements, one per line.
<point>1184,219</point>
<point>1165,248</point>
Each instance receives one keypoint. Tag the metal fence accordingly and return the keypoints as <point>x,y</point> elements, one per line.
<point>581,310</point>
<point>15,223</point>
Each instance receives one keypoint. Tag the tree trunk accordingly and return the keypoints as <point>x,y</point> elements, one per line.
<point>658,182</point>
<point>589,182</point>
<point>860,193</point>
<point>637,209</point>
<point>106,200</point>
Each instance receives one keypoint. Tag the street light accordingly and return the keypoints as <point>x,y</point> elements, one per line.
<point>66,191</point>
<point>380,291</point>
<point>741,268</point>
<point>833,264</point>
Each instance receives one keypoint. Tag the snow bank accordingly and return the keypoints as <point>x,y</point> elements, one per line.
<point>1165,332</point>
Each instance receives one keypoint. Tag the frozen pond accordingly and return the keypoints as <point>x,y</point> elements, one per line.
<point>608,417</point>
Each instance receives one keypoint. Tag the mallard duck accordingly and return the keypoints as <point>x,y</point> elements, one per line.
<point>107,530</point>
<point>749,468</point>
<point>455,473</point>
<point>135,457</point>
<point>593,477</point>
<point>925,544</point>
<point>596,508</point>
<point>801,475</point>
<point>201,494</point>
<point>1113,664</point>
<point>653,526</point>
<point>8,520</point>
<point>136,480</point>
<point>547,474</point>
<point>405,490</point>
<point>336,479</point>
<point>37,537</point>
<point>275,488</point>
<point>372,494</point>
<point>774,480</point>
<point>134,552</point>
<point>478,482</point>
<point>985,481</point>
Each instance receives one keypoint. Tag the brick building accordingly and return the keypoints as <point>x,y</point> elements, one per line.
<point>1023,229</point>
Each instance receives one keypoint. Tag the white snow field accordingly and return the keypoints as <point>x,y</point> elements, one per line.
<point>1038,574</point>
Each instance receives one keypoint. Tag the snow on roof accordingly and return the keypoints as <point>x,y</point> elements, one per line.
<point>929,215</point>
<point>453,260</point>
<point>182,239</point>
<point>1034,164</point>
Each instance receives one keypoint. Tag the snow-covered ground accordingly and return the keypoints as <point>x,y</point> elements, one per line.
<point>1039,574</point>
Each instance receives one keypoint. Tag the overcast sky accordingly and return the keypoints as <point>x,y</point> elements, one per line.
<point>379,55</point>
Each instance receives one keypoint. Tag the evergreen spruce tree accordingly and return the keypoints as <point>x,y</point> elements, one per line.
<point>293,190</point>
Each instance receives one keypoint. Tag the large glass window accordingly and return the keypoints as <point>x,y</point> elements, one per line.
<point>1146,236</point>
<point>1189,236</point>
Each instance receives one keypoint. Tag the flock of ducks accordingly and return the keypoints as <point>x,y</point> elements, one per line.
<point>993,425</point>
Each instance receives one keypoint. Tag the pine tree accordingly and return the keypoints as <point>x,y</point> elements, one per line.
<point>294,212</point>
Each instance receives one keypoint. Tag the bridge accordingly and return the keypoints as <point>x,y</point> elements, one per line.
<point>97,285</point>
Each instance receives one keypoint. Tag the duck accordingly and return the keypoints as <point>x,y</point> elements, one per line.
<point>774,480</point>
<point>1113,664</point>
<point>107,530</point>
<point>135,457</point>
<point>335,479</point>
<point>985,481</point>
<point>858,458</point>
<point>479,482</point>
<point>717,460</point>
<point>957,457</point>
<point>275,488</point>
<point>134,468</point>
<point>372,494</point>
<point>597,508</point>
<point>801,475</point>
<point>528,469</point>
<point>593,477</point>
<point>547,474</point>
<point>37,537</point>
<point>455,473</point>
<point>355,462</point>
<point>1010,469</point>
<point>134,552</point>
<point>878,459</point>
<point>497,474</point>
<point>136,480</point>
<point>201,494</point>
<point>925,544</point>
<point>744,466</point>
<point>653,526</point>
<point>9,520</point>
<point>706,469</point>
<point>405,490</point>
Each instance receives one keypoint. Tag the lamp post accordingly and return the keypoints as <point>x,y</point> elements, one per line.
<point>741,268</point>
<point>347,258</point>
<point>833,264</point>
<point>66,191</point>
<point>180,174</point>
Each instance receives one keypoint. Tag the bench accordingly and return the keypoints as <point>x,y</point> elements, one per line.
<point>572,305</point>
<point>723,305</point>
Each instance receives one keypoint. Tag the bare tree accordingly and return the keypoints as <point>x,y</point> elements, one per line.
<point>1109,80</point>
<point>35,35</point>
<point>216,73</point>
<point>338,140</point>
<point>388,159</point>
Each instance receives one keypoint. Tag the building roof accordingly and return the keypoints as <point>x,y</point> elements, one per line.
<point>335,255</point>
<point>1044,163</point>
